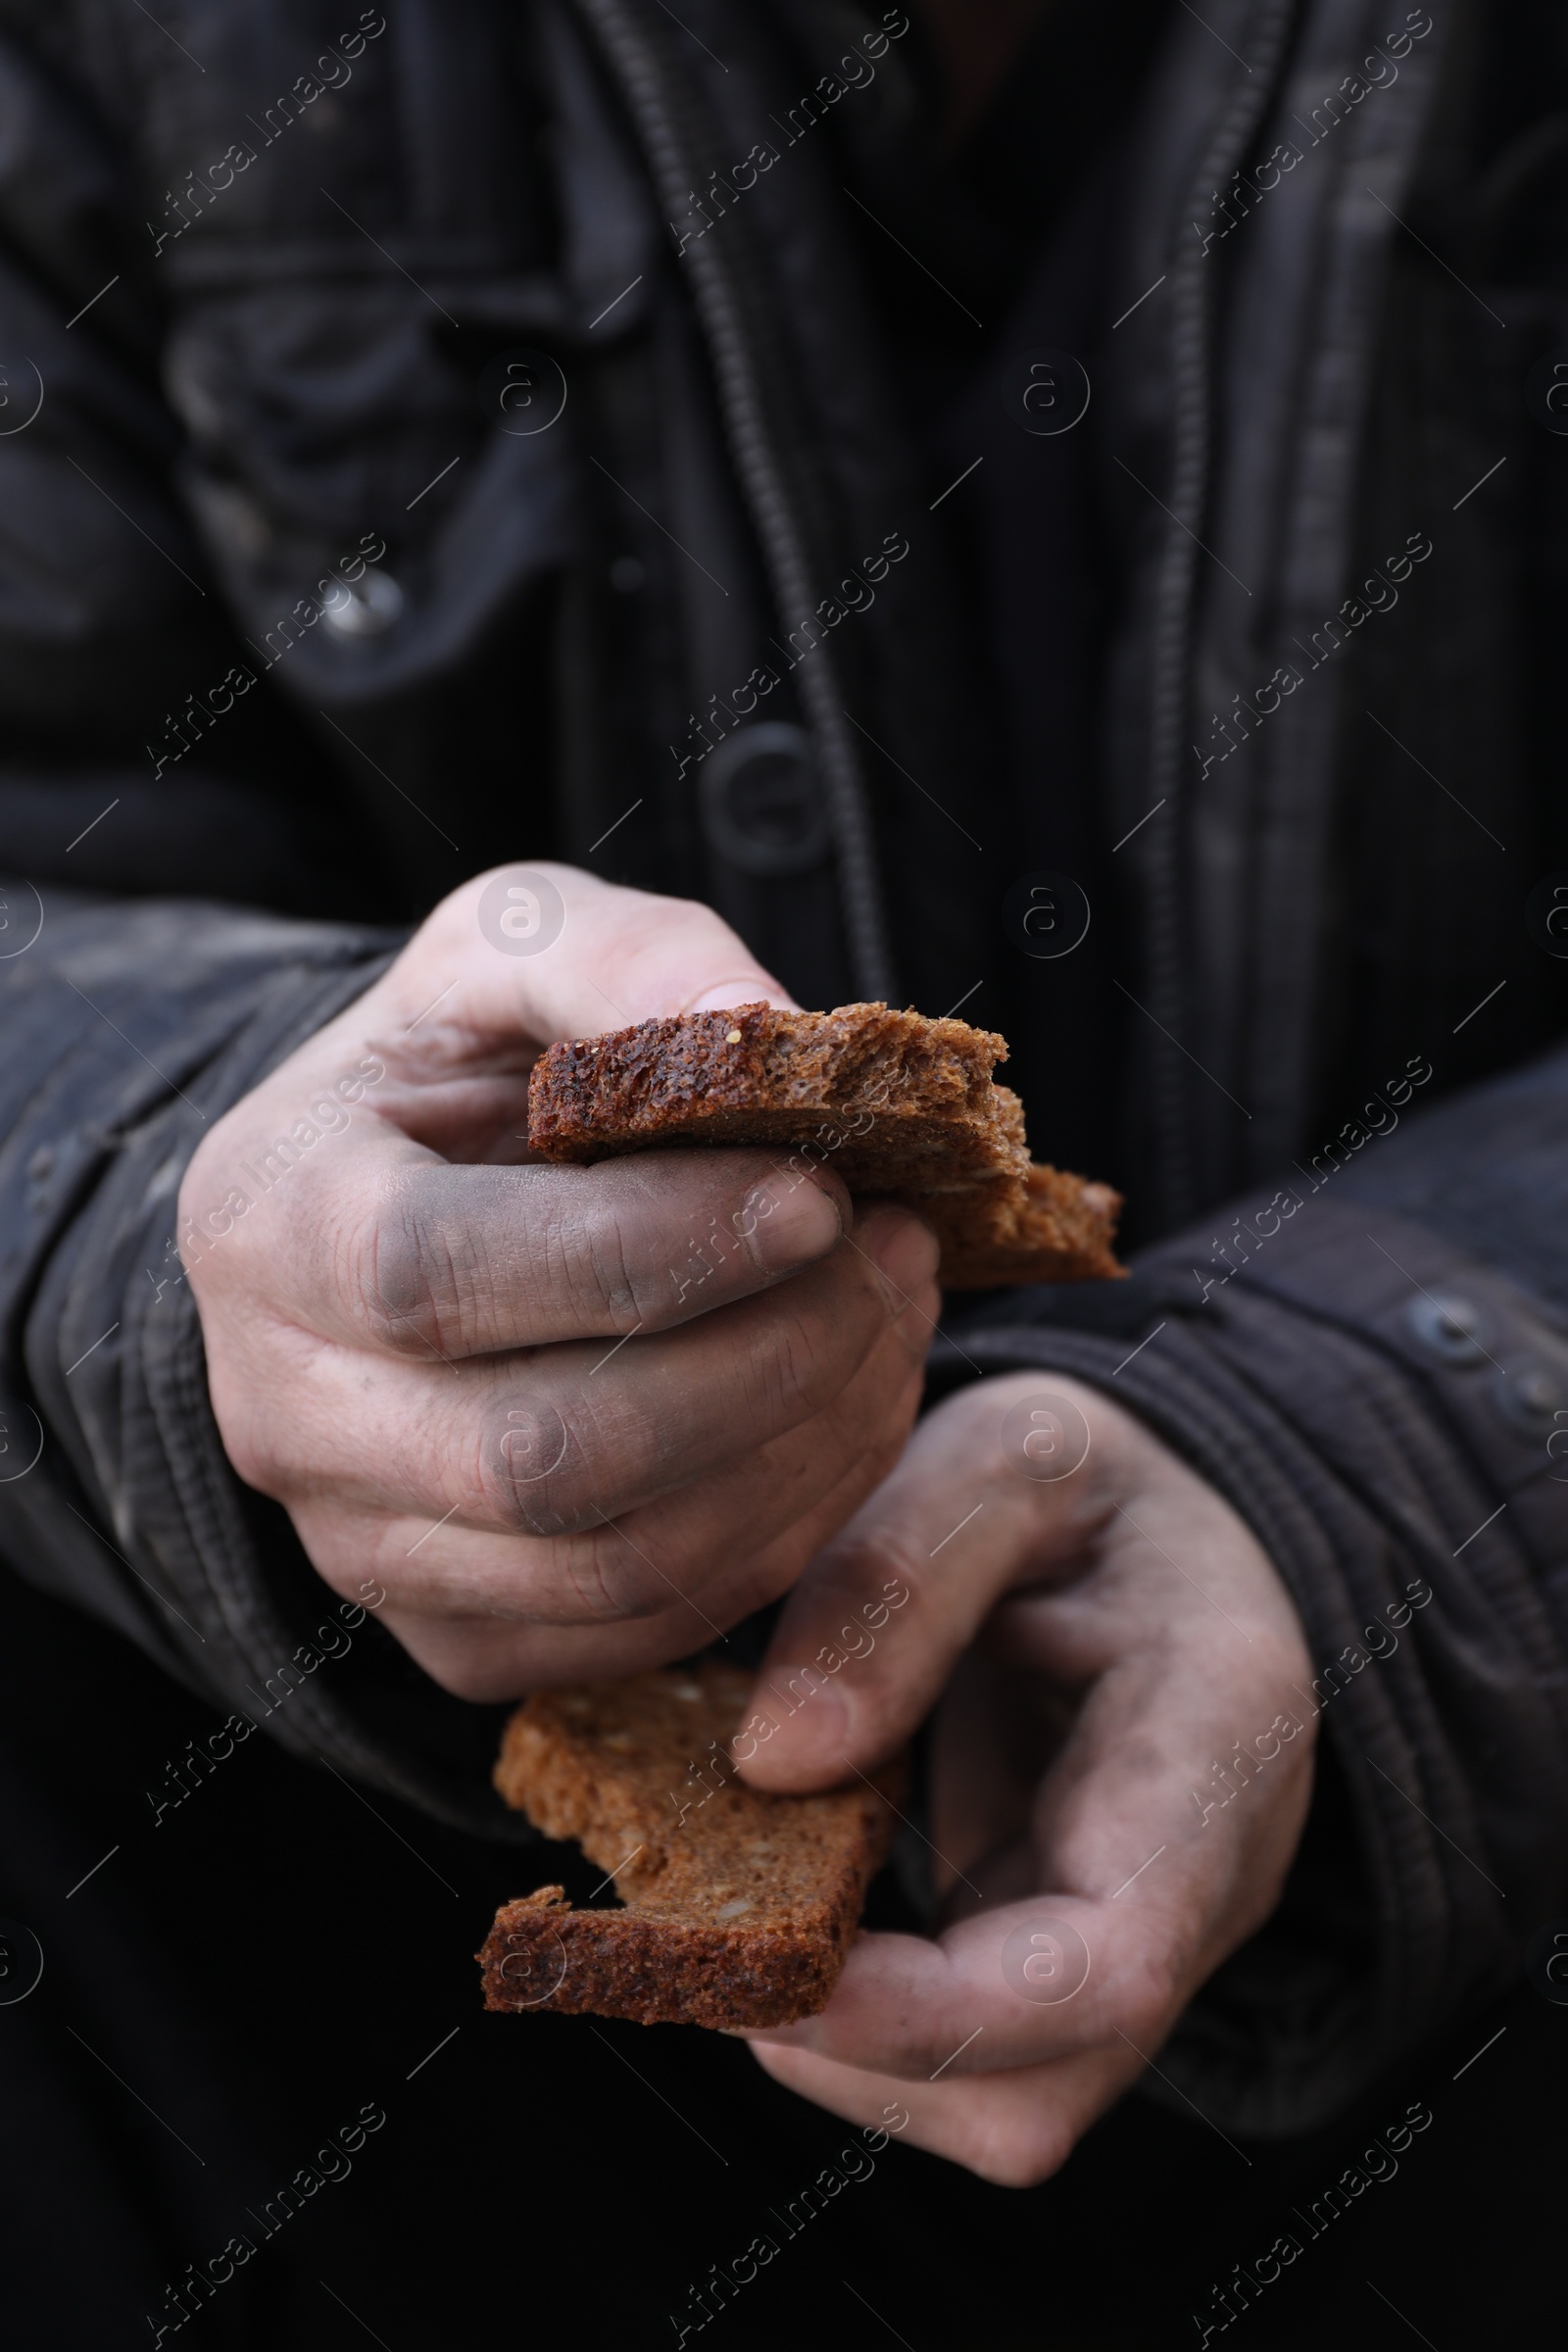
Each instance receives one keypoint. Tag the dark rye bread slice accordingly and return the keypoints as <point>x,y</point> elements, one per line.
<point>895,1103</point>
<point>912,1098</point>
<point>740,1907</point>
<point>1050,1228</point>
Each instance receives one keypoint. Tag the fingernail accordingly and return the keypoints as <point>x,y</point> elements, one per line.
<point>790,1224</point>
<point>904,1250</point>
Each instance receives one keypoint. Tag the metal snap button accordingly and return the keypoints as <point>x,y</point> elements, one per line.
<point>1449,1327</point>
<point>762,803</point>
<point>364,607</point>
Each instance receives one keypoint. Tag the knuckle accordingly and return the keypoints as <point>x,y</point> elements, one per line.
<point>805,1361</point>
<point>658,1251</point>
<point>863,1559</point>
<point>531,1467</point>
<point>404,1273</point>
<point>607,1269</point>
<point>611,1578</point>
<point>588,1256</point>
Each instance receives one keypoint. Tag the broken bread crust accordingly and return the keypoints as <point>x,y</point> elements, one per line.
<point>741,1906</point>
<point>895,1103</point>
<point>1051,1228</point>
<point>914,1096</point>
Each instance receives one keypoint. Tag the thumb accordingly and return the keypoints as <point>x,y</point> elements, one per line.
<point>555,953</point>
<point>870,1636</point>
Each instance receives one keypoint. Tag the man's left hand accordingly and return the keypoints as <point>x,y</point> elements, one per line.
<point>1122,1763</point>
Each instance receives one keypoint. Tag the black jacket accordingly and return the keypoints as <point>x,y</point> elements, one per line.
<point>442,437</point>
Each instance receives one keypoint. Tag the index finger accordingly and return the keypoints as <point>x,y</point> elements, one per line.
<point>551,951</point>
<point>1015,1986</point>
<point>395,1248</point>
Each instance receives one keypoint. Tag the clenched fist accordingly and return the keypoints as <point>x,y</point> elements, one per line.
<point>576,1420</point>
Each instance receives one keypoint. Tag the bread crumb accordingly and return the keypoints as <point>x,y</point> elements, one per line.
<point>733,1038</point>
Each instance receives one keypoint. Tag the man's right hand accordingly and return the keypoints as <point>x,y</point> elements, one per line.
<point>574,1420</point>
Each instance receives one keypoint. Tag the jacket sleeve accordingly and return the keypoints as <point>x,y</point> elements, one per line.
<point>130,1028</point>
<point>1371,1363</point>
<point>133,1019</point>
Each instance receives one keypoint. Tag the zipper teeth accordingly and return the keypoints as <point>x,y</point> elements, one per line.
<point>630,51</point>
<point>1191,354</point>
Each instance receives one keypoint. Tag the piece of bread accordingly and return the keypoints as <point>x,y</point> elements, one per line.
<point>740,1907</point>
<point>893,1102</point>
<point>913,1098</point>
<point>1050,1228</point>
